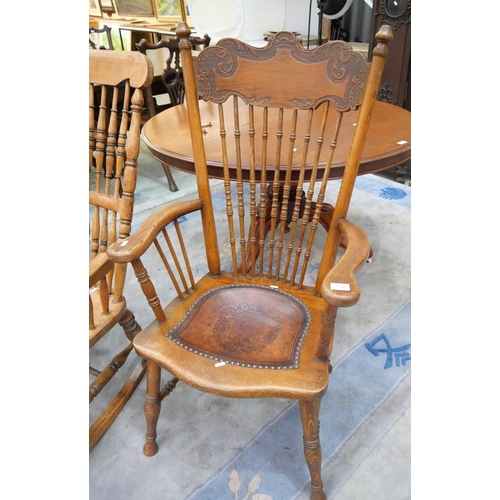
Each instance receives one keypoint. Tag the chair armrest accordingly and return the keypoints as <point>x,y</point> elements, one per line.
<point>99,267</point>
<point>339,288</point>
<point>135,245</point>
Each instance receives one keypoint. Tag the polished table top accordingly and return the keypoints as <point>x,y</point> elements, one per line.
<point>388,142</point>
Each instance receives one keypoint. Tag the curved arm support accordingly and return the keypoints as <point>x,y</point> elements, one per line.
<point>135,245</point>
<point>342,273</point>
<point>99,267</point>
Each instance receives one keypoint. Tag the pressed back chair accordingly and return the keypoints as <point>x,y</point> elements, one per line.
<point>170,82</point>
<point>260,322</point>
<point>116,80</point>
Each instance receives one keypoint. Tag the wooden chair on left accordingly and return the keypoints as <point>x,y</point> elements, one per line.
<point>116,83</point>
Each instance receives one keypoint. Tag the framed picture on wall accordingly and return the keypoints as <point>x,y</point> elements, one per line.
<point>95,8</point>
<point>139,8</point>
<point>107,6</point>
<point>170,10</point>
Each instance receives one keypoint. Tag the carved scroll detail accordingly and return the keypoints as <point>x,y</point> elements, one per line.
<point>346,71</point>
<point>385,93</point>
<point>395,22</point>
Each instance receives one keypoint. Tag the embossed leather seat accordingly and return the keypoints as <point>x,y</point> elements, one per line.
<point>257,327</point>
<point>255,308</point>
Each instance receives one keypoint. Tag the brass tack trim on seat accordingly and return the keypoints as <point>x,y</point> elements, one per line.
<point>300,341</point>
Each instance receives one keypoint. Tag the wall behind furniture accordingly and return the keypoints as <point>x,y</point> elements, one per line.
<point>255,17</point>
<point>357,21</point>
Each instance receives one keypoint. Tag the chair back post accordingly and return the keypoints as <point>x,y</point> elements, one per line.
<point>130,158</point>
<point>200,161</point>
<point>116,150</point>
<point>383,37</point>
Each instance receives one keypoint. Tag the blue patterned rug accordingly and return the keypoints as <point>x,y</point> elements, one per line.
<point>214,448</point>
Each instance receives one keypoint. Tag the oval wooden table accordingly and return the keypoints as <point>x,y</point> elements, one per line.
<point>388,143</point>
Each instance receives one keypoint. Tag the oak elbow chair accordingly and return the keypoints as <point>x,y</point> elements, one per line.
<point>115,105</point>
<point>171,81</point>
<point>258,321</point>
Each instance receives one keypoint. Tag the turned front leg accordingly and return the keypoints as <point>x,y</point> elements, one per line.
<point>309,414</point>
<point>152,408</point>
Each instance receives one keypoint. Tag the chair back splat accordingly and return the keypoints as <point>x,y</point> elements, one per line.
<point>241,81</point>
<point>254,311</point>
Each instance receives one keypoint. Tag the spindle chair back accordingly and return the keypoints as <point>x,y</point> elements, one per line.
<point>116,83</point>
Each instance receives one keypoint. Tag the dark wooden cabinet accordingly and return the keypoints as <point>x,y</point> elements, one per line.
<point>395,86</point>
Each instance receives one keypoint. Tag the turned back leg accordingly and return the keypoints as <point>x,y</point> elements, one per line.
<point>309,414</point>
